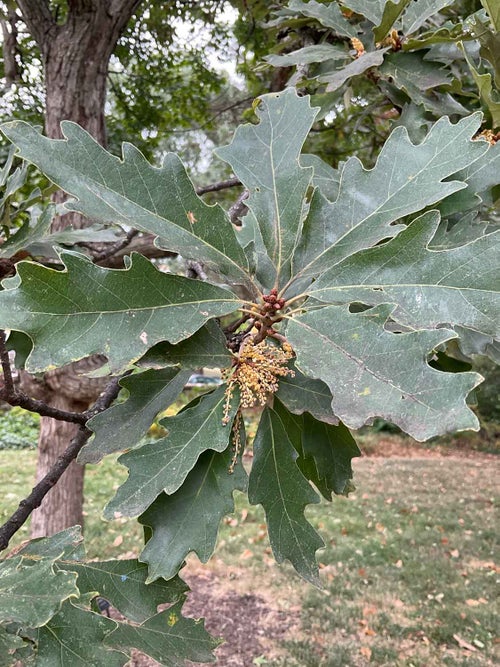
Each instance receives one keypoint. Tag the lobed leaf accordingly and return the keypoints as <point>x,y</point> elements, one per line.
<point>332,449</point>
<point>432,288</point>
<point>74,638</point>
<point>278,485</point>
<point>122,426</point>
<point>123,314</point>
<point>131,192</point>
<point>405,179</point>
<point>189,519</point>
<point>328,15</point>
<point>163,465</point>
<point>31,591</point>
<point>168,637</point>
<point>125,584</point>
<point>372,372</point>
<point>265,157</point>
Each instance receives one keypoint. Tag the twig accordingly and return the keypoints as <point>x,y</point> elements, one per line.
<point>9,394</point>
<point>40,490</point>
<point>221,185</point>
<point>102,256</point>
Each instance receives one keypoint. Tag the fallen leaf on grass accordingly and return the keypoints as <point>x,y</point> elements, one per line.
<point>464,644</point>
<point>475,603</point>
<point>246,554</point>
<point>366,652</point>
<point>117,541</point>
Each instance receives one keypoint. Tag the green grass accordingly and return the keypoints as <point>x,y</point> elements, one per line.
<point>408,566</point>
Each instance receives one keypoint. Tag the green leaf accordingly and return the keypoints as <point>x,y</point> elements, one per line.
<point>124,583</point>
<point>418,11</point>
<point>205,348</point>
<point>67,543</point>
<point>391,11</point>
<point>301,394</point>
<point>316,53</point>
<point>405,179</point>
<point>168,637</point>
<point>328,15</point>
<point>413,74</point>
<point>189,519</point>
<point>489,95</point>
<point>9,643</point>
<point>372,372</point>
<point>493,9</point>
<point>431,288</point>
<point>124,313</point>
<point>133,193</point>
<point>31,591</point>
<point>325,178</point>
<point>332,449</point>
<point>122,426</point>
<point>355,68</point>
<point>472,342</point>
<point>162,466</point>
<point>74,638</point>
<point>382,13</point>
<point>278,485</point>
<point>265,157</point>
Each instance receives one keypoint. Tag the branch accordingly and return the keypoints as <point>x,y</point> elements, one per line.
<point>38,18</point>
<point>9,394</point>
<point>38,493</point>
<point>221,185</point>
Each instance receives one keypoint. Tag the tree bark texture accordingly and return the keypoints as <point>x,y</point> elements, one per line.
<point>75,58</point>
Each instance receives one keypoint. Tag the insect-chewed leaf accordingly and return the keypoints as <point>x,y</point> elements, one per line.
<point>122,426</point>
<point>123,583</point>
<point>265,157</point>
<point>188,520</point>
<point>459,286</point>
<point>405,179</point>
<point>131,192</point>
<point>374,373</point>
<point>278,485</point>
<point>86,309</point>
<point>162,466</point>
<point>9,643</point>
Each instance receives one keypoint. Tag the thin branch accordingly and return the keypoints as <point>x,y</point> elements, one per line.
<point>40,490</point>
<point>9,394</point>
<point>221,185</point>
<point>117,247</point>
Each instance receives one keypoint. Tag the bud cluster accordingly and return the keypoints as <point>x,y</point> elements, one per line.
<point>256,371</point>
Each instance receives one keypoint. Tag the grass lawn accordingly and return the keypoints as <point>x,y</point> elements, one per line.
<point>409,565</point>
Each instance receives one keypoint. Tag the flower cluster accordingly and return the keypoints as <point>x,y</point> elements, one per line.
<point>256,371</point>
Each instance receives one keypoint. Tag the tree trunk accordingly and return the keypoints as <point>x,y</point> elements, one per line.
<point>75,58</point>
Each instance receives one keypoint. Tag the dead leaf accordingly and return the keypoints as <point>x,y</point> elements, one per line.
<point>366,652</point>
<point>464,644</point>
<point>118,540</point>
<point>246,554</point>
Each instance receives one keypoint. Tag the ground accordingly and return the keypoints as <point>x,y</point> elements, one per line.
<point>409,567</point>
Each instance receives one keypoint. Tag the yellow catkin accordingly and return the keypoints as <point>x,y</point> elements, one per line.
<point>256,371</point>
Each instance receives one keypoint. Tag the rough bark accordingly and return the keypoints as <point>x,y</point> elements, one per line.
<point>75,58</point>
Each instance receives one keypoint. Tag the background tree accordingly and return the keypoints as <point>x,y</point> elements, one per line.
<point>72,43</point>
